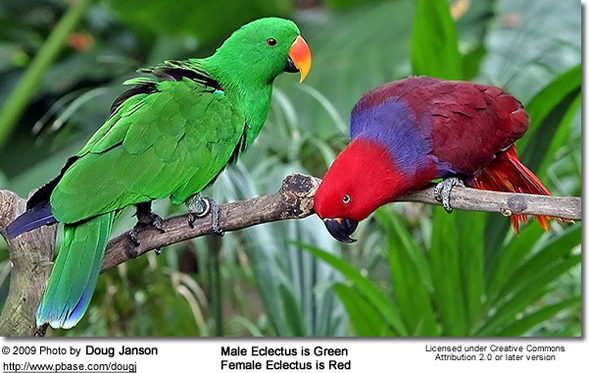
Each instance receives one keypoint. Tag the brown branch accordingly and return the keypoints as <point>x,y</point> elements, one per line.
<point>294,200</point>
<point>504,203</point>
<point>30,257</point>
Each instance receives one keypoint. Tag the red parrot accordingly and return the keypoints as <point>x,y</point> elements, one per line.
<point>407,133</point>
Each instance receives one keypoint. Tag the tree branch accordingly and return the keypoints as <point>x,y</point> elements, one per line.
<point>294,200</point>
<point>30,257</point>
<point>504,203</point>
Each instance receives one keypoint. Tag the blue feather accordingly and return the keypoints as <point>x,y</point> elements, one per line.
<point>394,124</point>
<point>31,219</point>
<point>75,272</point>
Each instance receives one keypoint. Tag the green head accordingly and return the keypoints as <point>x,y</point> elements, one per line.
<point>257,52</point>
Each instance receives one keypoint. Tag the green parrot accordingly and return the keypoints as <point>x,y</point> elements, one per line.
<point>170,136</point>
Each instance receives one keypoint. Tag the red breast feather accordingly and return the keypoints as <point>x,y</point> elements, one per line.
<point>365,173</point>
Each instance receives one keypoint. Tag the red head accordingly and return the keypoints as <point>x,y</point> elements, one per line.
<point>362,178</point>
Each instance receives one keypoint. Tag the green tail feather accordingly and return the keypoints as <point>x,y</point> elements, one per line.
<point>75,272</point>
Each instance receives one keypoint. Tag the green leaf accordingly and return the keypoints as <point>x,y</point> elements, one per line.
<point>409,272</point>
<point>340,5</point>
<point>473,30</point>
<point>560,136</point>
<point>520,300</point>
<point>530,280</point>
<point>551,112</point>
<point>184,17</point>
<point>14,105</point>
<point>393,226</point>
<point>367,321</point>
<point>510,258</point>
<point>497,228</point>
<point>528,322</point>
<point>552,254</point>
<point>292,313</point>
<point>470,227</point>
<point>552,133</point>
<point>365,286</point>
<point>541,106</point>
<point>444,259</point>
<point>434,44</point>
<point>471,62</point>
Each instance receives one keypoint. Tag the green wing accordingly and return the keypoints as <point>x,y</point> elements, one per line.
<point>168,137</point>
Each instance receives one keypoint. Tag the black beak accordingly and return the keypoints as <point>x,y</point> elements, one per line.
<point>290,66</point>
<point>341,228</point>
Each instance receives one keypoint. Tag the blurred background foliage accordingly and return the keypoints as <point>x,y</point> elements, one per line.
<point>415,270</point>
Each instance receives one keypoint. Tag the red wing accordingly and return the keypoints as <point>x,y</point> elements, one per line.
<point>473,123</point>
<point>467,122</point>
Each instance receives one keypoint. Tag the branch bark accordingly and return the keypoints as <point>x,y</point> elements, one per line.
<point>294,200</point>
<point>504,203</point>
<point>30,257</point>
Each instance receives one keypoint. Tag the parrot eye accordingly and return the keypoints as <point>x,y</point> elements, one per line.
<point>271,42</point>
<point>346,199</point>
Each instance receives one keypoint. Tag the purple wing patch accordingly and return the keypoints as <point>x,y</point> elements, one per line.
<point>394,124</point>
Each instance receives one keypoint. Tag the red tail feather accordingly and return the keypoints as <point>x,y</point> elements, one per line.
<point>507,174</point>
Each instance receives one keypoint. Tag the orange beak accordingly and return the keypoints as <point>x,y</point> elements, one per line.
<point>301,56</point>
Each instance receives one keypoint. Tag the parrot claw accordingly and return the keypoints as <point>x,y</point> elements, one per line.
<point>145,217</point>
<point>157,223</point>
<point>443,190</point>
<point>41,330</point>
<point>216,213</point>
<point>133,236</point>
<point>190,220</point>
<point>200,207</point>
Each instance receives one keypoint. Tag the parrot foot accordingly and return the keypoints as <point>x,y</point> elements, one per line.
<point>133,236</point>
<point>443,190</point>
<point>41,330</point>
<point>216,213</point>
<point>200,207</point>
<point>145,217</point>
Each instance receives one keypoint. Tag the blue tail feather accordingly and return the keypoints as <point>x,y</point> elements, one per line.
<point>31,219</point>
<point>75,272</point>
